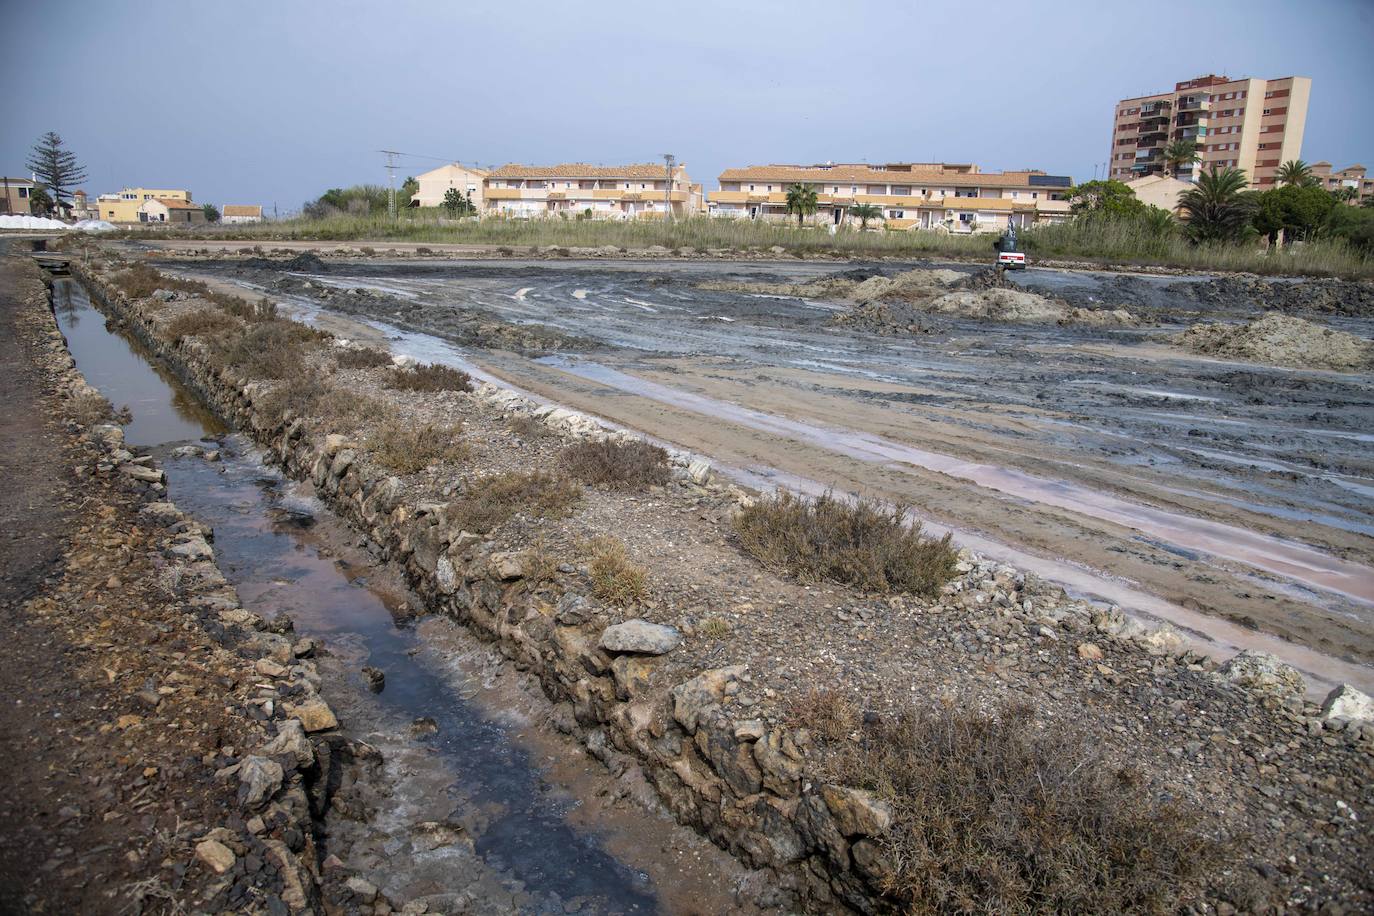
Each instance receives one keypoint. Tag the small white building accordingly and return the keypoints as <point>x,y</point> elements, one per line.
<point>241,213</point>
<point>1159,191</point>
<point>170,210</point>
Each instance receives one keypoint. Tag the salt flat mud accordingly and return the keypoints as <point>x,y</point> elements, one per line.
<point>1229,489</point>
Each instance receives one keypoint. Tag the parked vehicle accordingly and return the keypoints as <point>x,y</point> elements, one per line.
<point>1011,260</point>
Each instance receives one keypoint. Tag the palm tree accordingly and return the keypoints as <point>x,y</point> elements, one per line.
<point>801,200</point>
<point>1218,208</point>
<point>865,212</point>
<point>1178,154</point>
<point>1295,172</point>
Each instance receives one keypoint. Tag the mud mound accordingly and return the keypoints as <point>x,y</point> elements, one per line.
<point>1281,340</point>
<point>303,263</point>
<point>851,285</point>
<point>1325,295</point>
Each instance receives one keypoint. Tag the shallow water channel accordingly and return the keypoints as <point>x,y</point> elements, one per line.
<point>532,835</point>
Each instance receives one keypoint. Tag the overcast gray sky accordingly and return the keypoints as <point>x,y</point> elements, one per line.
<point>268,101</point>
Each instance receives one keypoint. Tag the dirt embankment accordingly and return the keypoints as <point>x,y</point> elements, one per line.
<point>1281,340</point>
<point>906,302</point>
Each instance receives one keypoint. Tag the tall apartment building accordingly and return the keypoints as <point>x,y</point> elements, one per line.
<point>957,197</point>
<point>1251,124</point>
<point>641,191</point>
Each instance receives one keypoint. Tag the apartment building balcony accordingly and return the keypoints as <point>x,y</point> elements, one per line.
<point>515,193</point>
<point>1194,104</point>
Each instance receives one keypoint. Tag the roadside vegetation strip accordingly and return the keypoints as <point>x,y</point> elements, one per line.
<point>866,544</point>
<point>1129,243</point>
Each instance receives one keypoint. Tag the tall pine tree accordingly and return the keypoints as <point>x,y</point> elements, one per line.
<point>55,167</point>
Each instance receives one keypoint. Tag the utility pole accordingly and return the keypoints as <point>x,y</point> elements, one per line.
<point>669,160</point>
<point>391,180</point>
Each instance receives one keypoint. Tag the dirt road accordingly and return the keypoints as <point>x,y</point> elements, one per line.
<point>1181,486</point>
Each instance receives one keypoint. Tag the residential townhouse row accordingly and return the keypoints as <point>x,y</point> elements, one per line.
<point>954,197</point>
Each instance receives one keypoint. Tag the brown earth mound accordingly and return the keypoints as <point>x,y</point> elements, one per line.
<point>895,305</point>
<point>1280,340</point>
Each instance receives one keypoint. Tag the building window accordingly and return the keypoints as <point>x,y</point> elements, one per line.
<point>896,214</point>
<point>751,187</point>
<point>23,193</point>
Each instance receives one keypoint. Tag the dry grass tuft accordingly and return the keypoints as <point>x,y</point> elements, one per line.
<point>714,628</point>
<point>991,815</point>
<point>619,465</point>
<point>408,449</point>
<point>489,501</point>
<point>866,544</point>
<point>829,714</point>
<point>204,323</point>
<point>361,358</point>
<point>431,377</point>
<point>615,577</point>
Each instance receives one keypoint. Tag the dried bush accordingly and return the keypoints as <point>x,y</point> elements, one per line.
<point>866,544</point>
<point>361,358</point>
<point>615,578</point>
<point>828,713</point>
<point>262,310</point>
<point>407,449</point>
<point>526,427</point>
<point>990,815</point>
<point>335,406</point>
<point>489,501</point>
<point>431,377</point>
<point>271,349</point>
<point>90,407</point>
<point>139,281</point>
<point>206,323</point>
<point>620,465</point>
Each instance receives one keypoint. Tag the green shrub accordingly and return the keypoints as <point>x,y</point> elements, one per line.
<point>620,465</point>
<point>865,544</point>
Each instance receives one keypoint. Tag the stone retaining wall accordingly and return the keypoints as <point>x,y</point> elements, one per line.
<point>745,785</point>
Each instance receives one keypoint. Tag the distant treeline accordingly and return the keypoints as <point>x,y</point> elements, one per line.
<point>358,200</point>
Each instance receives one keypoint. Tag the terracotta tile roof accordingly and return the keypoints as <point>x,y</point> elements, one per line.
<point>580,170</point>
<point>172,203</point>
<point>863,174</point>
<point>241,210</point>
